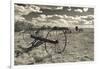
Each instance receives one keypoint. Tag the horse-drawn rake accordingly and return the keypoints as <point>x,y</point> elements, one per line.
<point>54,39</point>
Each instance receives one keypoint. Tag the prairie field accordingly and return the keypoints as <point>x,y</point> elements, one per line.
<point>79,48</point>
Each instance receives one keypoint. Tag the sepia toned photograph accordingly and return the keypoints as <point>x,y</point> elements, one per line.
<point>45,34</point>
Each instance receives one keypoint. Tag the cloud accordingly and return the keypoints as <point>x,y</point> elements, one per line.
<point>43,16</point>
<point>59,8</point>
<point>21,10</point>
<point>51,7</point>
<point>62,20</point>
<point>88,17</point>
<point>54,17</point>
<point>19,18</point>
<point>85,9</point>
<point>78,10</point>
<point>46,7</point>
<point>69,9</point>
<point>34,8</point>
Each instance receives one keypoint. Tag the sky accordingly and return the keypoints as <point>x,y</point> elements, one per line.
<point>54,15</point>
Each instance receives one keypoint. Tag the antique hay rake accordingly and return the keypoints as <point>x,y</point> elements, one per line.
<point>54,39</point>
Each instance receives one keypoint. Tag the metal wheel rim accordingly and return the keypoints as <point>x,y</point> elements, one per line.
<point>65,43</point>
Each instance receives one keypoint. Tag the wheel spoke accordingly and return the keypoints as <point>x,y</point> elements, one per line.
<point>60,46</point>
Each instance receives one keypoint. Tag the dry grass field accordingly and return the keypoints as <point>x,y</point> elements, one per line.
<point>80,47</point>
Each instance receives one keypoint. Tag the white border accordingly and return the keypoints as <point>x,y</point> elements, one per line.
<point>43,2</point>
<point>12,35</point>
<point>74,3</point>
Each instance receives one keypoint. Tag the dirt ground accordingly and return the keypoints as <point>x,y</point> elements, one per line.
<point>80,47</point>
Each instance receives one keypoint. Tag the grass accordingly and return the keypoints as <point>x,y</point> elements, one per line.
<point>80,47</point>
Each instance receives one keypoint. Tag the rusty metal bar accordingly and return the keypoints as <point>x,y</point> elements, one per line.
<point>44,39</point>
